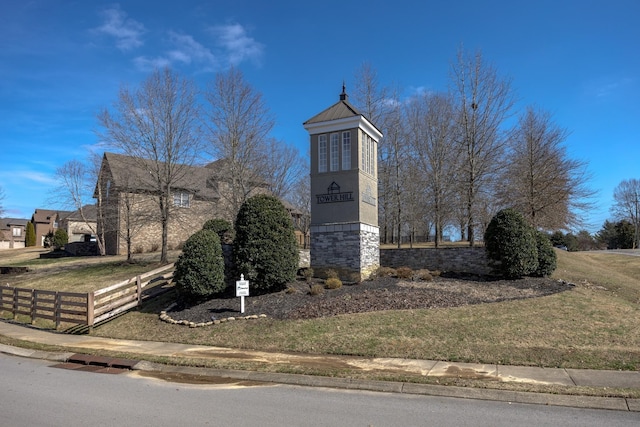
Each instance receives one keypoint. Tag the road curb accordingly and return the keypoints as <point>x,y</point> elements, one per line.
<point>575,401</point>
<point>590,402</point>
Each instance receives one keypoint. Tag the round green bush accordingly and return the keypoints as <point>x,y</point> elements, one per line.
<point>221,227</point>
<point>547,258</point>
<point>60,238</point>
<point>199,272</point>
<point>265,248</point>
<point>511,242</point>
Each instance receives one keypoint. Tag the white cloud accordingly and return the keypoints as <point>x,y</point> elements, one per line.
<point>232,46</point>
<point>611,87</point>
<point>237,44</point>
<point>188,50</point>
<point>26,177</point>
<point>126,31</point>
<point>144,63</point>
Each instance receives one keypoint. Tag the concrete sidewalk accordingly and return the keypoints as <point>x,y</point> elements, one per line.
<point>390,366</point>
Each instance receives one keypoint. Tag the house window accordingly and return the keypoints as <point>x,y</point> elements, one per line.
<point>364,151</point>
<point>368,154</point>
<point>322,153</point>
<point>17,232</point>
<point>181,200</point>
<point>372,156</point>
<point>335,152</point>
<point>346,150</point>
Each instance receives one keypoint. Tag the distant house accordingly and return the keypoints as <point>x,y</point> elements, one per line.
<point>130,204</point>
<point>301,224</point>
<point>12,233</point>
<point>46,221</point>
<point>79,229</point>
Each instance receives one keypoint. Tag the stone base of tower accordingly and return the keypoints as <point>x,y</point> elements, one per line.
<point>351,249</point>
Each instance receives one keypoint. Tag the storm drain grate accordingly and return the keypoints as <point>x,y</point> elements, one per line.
<point>98,364</point>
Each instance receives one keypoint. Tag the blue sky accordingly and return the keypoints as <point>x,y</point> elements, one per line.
<point>63,61</point>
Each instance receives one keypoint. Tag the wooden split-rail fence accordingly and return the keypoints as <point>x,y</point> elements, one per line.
<point>85,309</point>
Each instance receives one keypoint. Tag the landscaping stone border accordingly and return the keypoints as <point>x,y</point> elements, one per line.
<point>166,318</point>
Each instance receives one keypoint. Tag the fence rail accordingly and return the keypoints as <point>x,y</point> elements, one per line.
<point>84,309</point>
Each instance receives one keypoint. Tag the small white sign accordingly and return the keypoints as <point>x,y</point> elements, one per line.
<point>242,288</point>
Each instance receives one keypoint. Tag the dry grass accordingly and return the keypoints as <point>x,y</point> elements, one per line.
<point>592,326</point>
<point>73,274</point>
<point>595,325</point>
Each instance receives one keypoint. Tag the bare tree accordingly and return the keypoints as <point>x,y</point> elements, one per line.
<point>416,211</point>
<point>431,123</point>
<point>540,180</point>
<point>374,103</point>
<point>627,205</point>
<point>483,102</point>
<point>396,165</point>
<point>76,183</point>
<point>281,167</point>
<point>300,199</point>
<point>157,125</point>
<point>1,201</point>
<point>239,123</point>
<point>370,98</point>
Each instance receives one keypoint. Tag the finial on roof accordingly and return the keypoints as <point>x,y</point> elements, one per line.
<point>343,95</point>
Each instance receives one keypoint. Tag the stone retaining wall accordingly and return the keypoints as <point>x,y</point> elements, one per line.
<point>460,260</point>
<point>349,248</point>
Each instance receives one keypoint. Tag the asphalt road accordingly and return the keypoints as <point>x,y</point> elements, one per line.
<point>34,393</point>
<point>628,252</point>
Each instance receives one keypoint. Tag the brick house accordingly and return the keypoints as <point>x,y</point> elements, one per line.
<point>77,228</point>
<point>129,203</point>
<point>46,221</point>
<point>12,233</point>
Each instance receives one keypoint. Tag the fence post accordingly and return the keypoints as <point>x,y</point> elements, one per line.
<point>34,303</point>
<point>139,288</point>
<point>90,310</point>
<point>57,308</point>
<point>15,303</point>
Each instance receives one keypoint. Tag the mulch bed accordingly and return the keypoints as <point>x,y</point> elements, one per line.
<point>387,293</point>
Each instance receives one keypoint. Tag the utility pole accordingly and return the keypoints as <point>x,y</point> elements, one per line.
<point>636,241</point>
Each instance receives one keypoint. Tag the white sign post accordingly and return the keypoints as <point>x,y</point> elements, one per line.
<point>242,290</point>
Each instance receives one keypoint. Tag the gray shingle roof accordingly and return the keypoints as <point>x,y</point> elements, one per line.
<point>340,110</point>
<point>43,215</point>
<point>6,223</point>
<point>90,213</point>
<point>132,174</point>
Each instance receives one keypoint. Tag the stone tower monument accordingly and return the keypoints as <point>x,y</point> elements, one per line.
<point>344,191</point>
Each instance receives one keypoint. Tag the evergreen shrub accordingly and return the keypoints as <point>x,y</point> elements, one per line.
<point>547,258</point>
<point>265,249</point>
<point>48,240</point>
<point>222,227</point>
<point>511,242</point>
<point>199,272</point>
<point>30,235</point>
<point>60,238</point>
